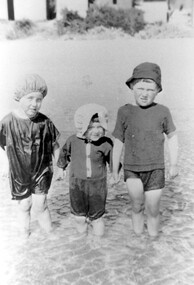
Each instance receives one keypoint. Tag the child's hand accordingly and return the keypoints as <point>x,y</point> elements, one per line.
<point>173,171</point>
<point>4,167</point>
<point>115,178</point>
<point>61,174</point>
<point>4,173</point>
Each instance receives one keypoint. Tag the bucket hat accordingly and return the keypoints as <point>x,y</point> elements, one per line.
<point>146,70</point>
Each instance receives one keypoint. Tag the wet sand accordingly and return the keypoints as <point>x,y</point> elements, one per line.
<point>120,257</point>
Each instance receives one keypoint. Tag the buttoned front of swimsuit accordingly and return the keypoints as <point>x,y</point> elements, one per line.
<point>88,174</point>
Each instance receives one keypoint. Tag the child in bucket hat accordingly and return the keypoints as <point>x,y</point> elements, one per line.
<point>141,128</point>
<point>30,139</point>
<point>88,152</point>
<point>146,70</point>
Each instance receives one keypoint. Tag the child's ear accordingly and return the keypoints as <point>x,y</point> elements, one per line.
<point>157,90</point>
<point>131,86</point>
<point>133,83</point>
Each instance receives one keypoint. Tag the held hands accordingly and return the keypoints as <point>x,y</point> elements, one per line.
<point>61,174</point>
<point>173,171</point>
<point>115,178</point>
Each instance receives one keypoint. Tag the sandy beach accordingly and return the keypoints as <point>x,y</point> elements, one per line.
<point>84,71</point>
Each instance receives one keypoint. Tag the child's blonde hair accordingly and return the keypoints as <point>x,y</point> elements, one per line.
<point>135,81</point>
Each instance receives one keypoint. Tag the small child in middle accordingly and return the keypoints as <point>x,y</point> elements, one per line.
<point>88,153</point>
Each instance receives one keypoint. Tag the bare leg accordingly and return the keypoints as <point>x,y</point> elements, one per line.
<point>24,215</point>
<point>136,193</point>
<point>98,227</point>
<point>40,208</point>
<point>152,204</point>
<point>80,224</point>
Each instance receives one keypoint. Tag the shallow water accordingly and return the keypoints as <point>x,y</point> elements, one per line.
<point>119,257</point>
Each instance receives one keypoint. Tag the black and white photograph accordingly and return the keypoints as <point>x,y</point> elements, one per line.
<point>97,142</point>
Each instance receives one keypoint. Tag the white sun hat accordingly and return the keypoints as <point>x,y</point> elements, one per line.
<point>84,114</point>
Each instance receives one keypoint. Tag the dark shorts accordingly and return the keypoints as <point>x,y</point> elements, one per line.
<point>41,186</point>
<point>152,180</point>
<point>88,197</point>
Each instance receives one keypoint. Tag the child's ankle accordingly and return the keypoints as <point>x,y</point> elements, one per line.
<point>81,224</point>
<point>98,227</point>
<point>25,233</point>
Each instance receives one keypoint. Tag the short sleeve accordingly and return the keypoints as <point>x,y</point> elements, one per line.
<point>119,130</point>
<point>65,155</point>
<point>168,124</point>
<point>54,133</point>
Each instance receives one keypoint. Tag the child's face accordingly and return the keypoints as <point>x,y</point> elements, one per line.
<point>145,93</point>
<point>94,131</point>
<point>31,103</point>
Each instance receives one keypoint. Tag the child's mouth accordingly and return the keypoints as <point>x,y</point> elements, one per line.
<point>144,100</point>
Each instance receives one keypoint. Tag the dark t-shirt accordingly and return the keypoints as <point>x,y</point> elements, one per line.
<point>142,131</point>
<point>29,145</point>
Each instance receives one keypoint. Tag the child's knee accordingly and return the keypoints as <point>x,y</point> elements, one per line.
<point>98,227</point>
<point>152,211</point>
<point>25,204</point>
<point>137,207</point>
<point>40,208</point>
<point>80,219</point>
<point>40,205</point>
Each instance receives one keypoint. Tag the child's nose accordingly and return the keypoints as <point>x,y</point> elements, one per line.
<point>95,130</point>
<point>33,102</point>
<point>145,92</point>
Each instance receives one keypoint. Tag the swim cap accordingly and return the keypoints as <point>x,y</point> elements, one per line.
<point>28,84</point>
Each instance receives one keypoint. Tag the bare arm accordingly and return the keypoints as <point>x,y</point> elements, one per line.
<point>173,154</point>
<point>56,151</point>
<point>4,162</point>
<point>117,150</point>
<point>60,173</point>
